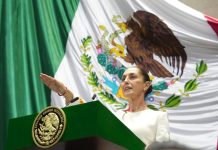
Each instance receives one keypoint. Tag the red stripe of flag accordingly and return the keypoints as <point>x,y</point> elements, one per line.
<point>213,22</point>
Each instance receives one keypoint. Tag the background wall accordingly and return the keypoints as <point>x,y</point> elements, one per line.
<point>208,7</point>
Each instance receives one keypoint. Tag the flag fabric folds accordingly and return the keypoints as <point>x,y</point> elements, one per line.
<point>81,43</point>
<point>33,37</point>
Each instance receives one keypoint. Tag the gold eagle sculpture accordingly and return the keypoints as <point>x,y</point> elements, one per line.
<point>151,36</point>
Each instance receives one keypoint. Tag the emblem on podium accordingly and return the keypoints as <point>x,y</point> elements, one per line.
<point>48,127</point>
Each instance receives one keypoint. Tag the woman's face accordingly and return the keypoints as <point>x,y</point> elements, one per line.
<point>133,83</point>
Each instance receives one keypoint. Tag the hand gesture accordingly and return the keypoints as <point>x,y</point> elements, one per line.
<point>53,84</point>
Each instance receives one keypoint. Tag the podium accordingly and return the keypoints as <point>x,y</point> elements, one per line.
<point>89,126</point>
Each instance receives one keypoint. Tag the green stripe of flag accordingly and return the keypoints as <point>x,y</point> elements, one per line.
<point>33,35</point>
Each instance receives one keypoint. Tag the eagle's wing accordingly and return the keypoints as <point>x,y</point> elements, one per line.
<point>160,40</point>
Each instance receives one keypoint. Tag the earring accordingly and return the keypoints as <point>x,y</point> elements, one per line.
<point>145,88</point>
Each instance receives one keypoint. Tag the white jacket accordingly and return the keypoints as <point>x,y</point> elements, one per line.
<point>148,125</point>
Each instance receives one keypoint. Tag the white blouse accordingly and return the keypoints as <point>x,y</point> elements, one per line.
<point>148,125</point>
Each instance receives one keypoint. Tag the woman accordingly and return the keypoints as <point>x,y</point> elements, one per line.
<point>148,125</point>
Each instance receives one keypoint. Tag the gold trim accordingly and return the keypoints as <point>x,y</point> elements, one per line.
<point>48,127</point>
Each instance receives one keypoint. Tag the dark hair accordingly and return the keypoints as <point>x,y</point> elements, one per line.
<point>146,78</point>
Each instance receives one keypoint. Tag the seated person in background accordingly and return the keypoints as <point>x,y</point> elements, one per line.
<point>147,124</point>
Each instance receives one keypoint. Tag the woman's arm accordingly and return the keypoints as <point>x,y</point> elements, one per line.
<point>163,131</point>
<point>57,87</point>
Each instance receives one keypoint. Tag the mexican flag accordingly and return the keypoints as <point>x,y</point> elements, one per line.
<point>81,43</point>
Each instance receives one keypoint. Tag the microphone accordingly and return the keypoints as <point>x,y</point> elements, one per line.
<point>77,98</point>
<point>74,99</point>
<point>93,97</point>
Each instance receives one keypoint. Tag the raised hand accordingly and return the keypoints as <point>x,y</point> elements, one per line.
<point>53,84</point>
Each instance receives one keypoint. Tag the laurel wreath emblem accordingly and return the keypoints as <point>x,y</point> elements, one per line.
<point>48,127</point>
